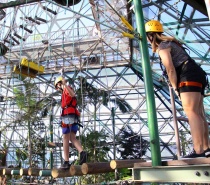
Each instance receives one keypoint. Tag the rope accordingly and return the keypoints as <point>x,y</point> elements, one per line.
<point>181,17</point>
<point>175,4</point>
<point>122,32</point>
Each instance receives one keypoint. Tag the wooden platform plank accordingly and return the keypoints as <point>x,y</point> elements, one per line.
<point>183,162</point>
<point>94,168</point>
<point>117,164</point>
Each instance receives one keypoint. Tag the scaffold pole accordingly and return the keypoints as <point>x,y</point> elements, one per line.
<point>150,99</point>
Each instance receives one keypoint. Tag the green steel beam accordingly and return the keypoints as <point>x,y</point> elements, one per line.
<point>147,73</point>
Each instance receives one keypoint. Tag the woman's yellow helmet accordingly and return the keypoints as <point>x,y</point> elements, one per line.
<point>58,79</point>
<point>154,26</point>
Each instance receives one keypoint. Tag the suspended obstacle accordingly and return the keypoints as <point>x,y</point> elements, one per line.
<point>1,171</point>
<point>28,69</point>
<point>94,168</point>
<point>26,29</point>
<point>15,172</point>
<point>33,171</point>
<point>26,171</point>
<point>18,36</point>
<point>67,2</point>
<point>23,171</point>
<point>58,173</point>
<point>187,170</point>
<point>45,173</point>
<point>7,171</point>
<point>3,49</point>
<point>76,170</point>
<point>116,164</point>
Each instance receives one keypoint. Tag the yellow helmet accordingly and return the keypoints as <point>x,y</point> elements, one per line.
<point>153,26</point>
<point>58,79</point>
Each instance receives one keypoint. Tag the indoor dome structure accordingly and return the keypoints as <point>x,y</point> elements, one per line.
<point>96,45</point>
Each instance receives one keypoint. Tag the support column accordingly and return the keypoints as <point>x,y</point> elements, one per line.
<point>151,110</point>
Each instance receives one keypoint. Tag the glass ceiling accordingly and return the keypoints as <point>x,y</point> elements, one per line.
<point>86,41</point>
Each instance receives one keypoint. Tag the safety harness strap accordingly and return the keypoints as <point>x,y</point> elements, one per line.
<point>69,105</point>
<point>190,83</point>
<point>63,125</point>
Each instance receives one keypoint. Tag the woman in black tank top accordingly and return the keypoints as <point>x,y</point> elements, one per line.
<point>188,81</point>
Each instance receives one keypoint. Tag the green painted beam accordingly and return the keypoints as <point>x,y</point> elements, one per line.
<point>45,172</point>
<point>15,172</point>
<point>148,83</point>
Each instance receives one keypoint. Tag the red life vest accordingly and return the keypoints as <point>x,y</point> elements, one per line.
<point>68,103</point>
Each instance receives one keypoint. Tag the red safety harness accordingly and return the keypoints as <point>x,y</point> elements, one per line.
<point>190,83</point>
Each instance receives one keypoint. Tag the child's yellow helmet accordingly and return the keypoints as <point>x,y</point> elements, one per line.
<point>154,26</point>
<point>58,79</point>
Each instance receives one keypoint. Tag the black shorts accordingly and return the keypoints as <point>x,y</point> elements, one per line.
<point>189,71</point>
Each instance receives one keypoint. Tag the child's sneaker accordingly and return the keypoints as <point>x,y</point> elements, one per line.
<point>65,165</point>
<point>83,157</point>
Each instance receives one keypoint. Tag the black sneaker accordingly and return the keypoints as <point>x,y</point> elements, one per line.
<point>193,155</point>
<point>207,152</point>
<point>83,157</point>
<point>65,165</point>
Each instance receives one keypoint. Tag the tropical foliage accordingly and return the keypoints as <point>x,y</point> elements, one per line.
<point>32,109</point>
<point>131,145</point>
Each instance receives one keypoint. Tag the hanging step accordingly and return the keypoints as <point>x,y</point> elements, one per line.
<point>9,42</point>
<point>49,10</point>
<point>40,19</point>
<point>18,36</point>
<point>26,29</point>
<point>2,14</point>
<point>28,69</point>
<point>3,49</point>
<point>32,20</point>
<point>67,2</point>
<point>14,39</point>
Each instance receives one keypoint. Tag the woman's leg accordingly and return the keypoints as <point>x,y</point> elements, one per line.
<point>66,138</point>
<point>206,129</point>
<point>191,106</point>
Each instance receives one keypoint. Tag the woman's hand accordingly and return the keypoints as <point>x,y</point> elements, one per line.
<point>177,93</point>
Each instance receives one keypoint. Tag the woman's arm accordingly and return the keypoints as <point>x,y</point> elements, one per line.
<point>165,56</point>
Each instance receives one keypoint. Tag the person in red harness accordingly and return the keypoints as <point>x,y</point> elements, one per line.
<point>188,81</point>
<point>69,119</point>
